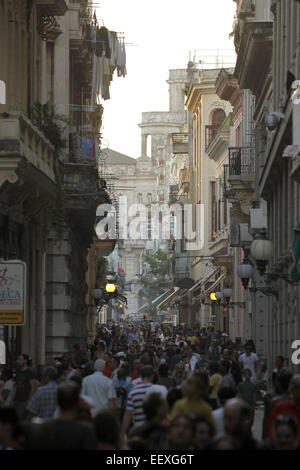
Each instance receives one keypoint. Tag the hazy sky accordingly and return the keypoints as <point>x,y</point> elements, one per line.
<point>163,33</point>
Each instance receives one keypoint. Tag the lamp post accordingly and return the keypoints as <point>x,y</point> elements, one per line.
<point>262,249</point>
<point>245,272</point>
<point>227,293</point>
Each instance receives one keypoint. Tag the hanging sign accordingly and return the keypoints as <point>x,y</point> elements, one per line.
<point>12,292</point>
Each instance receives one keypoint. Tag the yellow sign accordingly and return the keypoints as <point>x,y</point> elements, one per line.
<point>12,292</point>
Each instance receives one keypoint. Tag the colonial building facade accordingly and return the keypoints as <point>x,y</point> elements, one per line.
<point>49,187</point>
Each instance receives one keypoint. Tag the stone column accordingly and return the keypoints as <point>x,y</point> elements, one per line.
<point>144,145</point>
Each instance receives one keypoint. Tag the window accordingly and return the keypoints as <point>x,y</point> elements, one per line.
<point>140,198</point>
<point>2,92</point>
<point>218,117</point>
<point>149,198</point>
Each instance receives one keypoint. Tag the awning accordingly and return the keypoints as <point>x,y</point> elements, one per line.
<point>148,306</point>
<point>156,302</point>
<point>144,308</point>
<point>177,291</point>
<point>199,283</point>
<point>212,288</point>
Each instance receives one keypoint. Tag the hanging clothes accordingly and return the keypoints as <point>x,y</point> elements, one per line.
<point>102,43</point>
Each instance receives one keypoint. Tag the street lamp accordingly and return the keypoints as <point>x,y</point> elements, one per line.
<point>110,287</point>
<point>245,272</point>
<point>262,250</point>
<point>227,294</point>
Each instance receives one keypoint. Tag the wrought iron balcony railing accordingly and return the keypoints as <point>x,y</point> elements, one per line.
<point>241,161</point>
<point>226,185</point>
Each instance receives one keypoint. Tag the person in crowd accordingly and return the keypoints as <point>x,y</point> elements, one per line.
<point>114,367</point>
<point>204,433</point>
<point>25,385</point>
<point>134,409</point>
<point>193,403</point>
<point>68,369</point>
<point>234,370</point>
<point>67,432</point>
<point>80,356</point>
<point>179,374</point>
<point>181,433</point>
<point>190,360</point>
<point>203,363</point>
<point>214,351</point>
<point>99,388</point>
<point>108,431</point>
<point>279,365</point>
<point>247,391</point>
<point>224,394</point>
<point>291,407</point>
<point>154,430</point>
<point>163,377</point>
<point>249,360</point>
<point>214,381</point>
<point>9,422</point>
<point>285,432</point>
<point>227,379</point>
<point>6,387</point>
<point>238,421</point>
<point>43,402</point>
<point>279,393</point>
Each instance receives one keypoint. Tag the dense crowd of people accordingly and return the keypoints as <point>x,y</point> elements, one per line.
<point>146,386</point>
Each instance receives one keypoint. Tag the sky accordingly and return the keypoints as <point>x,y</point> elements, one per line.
<point>162,34</point>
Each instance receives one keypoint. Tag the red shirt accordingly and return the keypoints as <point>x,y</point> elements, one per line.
<point>107,372</point>
<point>285,407</point>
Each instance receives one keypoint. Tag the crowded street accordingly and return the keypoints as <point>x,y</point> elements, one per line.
<point>146,387</point>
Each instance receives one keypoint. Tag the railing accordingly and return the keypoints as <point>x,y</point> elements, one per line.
<point>226,185</point>
<point>180,143</point>
<point>246,8</point>
<point>241,161</point>
<point>210,133</point>
<point>180,138</point>
<point>18,136</point>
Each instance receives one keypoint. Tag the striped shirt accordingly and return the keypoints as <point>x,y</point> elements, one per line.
<point>135,402</point>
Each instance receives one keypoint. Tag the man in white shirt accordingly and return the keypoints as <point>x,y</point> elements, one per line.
<point>99,388</point>
<point>249,360</point>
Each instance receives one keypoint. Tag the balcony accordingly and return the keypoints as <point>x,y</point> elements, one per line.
<point>239,181</point>
<point>180,143</point>
<point>82,196</point>
<point>24,150</point>
<point>210,134</point>
<point>246,8</point>
<point>241,162</point>
<point>253,41</point>
<point>51,7</point>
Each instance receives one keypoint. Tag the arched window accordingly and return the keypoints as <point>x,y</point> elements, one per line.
<point>218,117</point>
<point>2,92</point>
